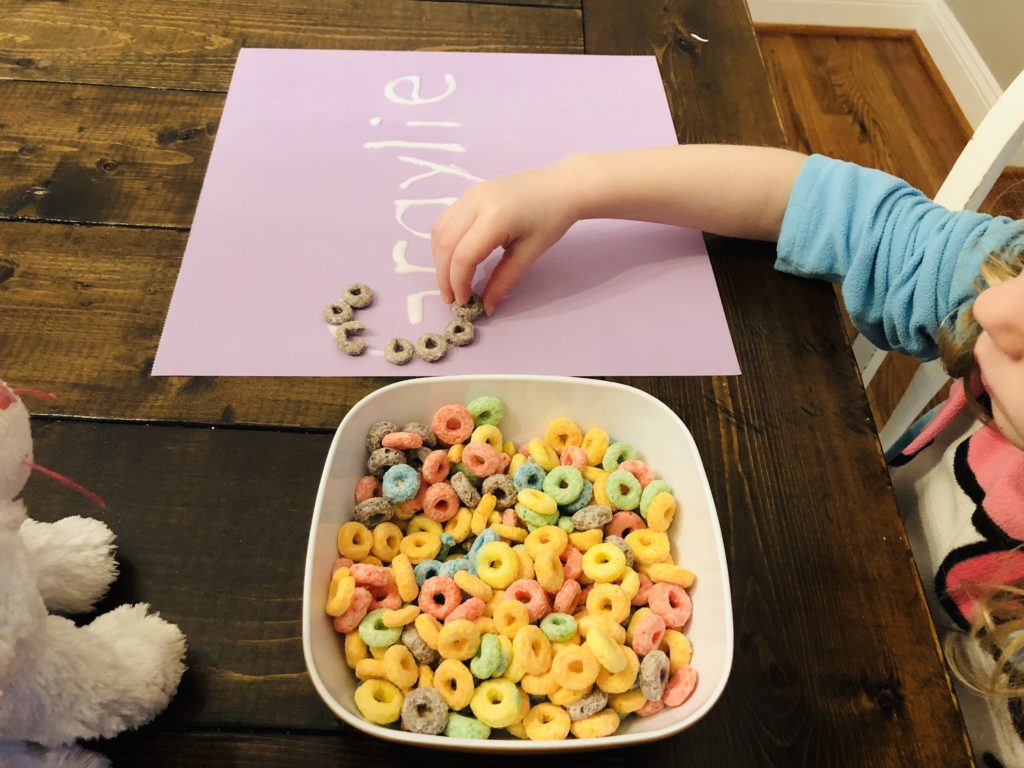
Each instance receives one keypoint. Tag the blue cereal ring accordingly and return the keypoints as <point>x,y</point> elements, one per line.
<point>447,542</point>
<point>616,454</point>
<point>486,537</point>
<point>486,409</point>
<point>530,475</point>
<point>563,484</point>
<point>401,483</point>
<point>451,567</point>
<point>653,489</point>
<point>623,499</point>
<point>583,500</point>
<point>426,569</point>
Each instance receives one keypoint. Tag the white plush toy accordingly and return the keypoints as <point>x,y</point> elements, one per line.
<point>59,682</point>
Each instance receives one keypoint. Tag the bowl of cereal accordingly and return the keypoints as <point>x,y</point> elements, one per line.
<point>516,563</point>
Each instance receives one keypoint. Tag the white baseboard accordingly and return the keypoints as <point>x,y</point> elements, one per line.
<point>968,77</point>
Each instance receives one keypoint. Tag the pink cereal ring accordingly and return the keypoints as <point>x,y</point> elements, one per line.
<point>585,593</point>
<point>440,502</point>
<point>573,456</point>
<point>651,708</point>
<point>623,524</point>
<point>504,462</point>
<point>671,602</point>
<point>372,577</point>
<point>357,608</point>
<point>341,562</point>
<point>567,597</point>
<point>415,504</point>
<point>367,488</point>
<point>439,596</point>
<point>648,633</point>
<point>509,517</point>
<point>638,469</point>
<point>402,441</point>
<point>481,459</point>
<point>435,467</point>
<point>524,450</point>
<point>531,593</point>
<point>471,609</point>
<point>680,686</point>
<point>572,562</point>
<point>642,594</point>
<point>452,424</point>
<point>385,598</point>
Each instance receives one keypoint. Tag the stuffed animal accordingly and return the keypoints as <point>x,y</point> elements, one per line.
<point>59,682</point>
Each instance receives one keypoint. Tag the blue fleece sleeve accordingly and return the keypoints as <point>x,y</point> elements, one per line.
<point>905,263</point>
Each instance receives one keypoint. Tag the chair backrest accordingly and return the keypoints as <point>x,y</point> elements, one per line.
<point>969,181</point>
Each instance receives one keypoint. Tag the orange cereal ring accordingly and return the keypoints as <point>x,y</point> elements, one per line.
<point>403,441</point>
<point>572,562</point>
<point>481,459</point>
<point>386,598</point>
<point>509,517</point>
<point>671,602</point>
<point>452,424</point>
<point>341,562</point>
<point>568,597</point>
<point>680,686</point>
<point>623,524</point>
<point>367,487</point>
<point>651,708</point>
<point>439,596</point>
<point>573,456</point>
<point>471,610</point>
<point>440,502</point>
<point>642,594</point>
<point>435,467</point>
<point>648,633</point>
<point>531,594</point>
<point>638,469</point>
<point>357,609</point>
<point>372,576</point>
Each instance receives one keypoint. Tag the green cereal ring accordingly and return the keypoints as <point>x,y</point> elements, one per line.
<point>566,524</point>
<point>535,519</point>
<point>462,727</point>
<point>623,490</point>
<point>373,632</point>
<point>563,484</point>
<point>559,627</point>
<point>486,409</point>
<point>487,659</point>
<point>616,454</point>
<point>653,489</point>
<point>505,649</point>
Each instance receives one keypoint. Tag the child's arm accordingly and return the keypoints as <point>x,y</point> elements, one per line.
<point>728,190</point>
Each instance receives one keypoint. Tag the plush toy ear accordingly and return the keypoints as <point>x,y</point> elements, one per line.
<point>21,608</point>
<point>15,444</point>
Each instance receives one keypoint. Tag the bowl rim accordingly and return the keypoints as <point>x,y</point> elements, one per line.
<point>516,745</point>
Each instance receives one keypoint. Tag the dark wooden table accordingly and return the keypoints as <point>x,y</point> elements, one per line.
<point>107,116</point>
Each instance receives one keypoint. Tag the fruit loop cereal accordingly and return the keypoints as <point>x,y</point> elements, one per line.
<point>484,589</point>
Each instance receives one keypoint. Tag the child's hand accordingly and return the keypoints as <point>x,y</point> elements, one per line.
<point>524,214</point>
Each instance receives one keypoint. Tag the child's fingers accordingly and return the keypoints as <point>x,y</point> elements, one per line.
<point>514,262</point>
<point>445,236</point>
<point>475,246</point>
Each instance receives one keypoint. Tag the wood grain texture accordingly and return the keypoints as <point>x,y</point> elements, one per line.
<point>192,45</point>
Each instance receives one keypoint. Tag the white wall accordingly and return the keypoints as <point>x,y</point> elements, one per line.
<point>995,27</point>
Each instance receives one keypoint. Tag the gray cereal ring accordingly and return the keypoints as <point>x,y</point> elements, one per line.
<point>431,347</point>
<point>416,457</point>
<point>373,511</point>
<point>398,351</point>
<point>460,332</point>
<point>382,459</point>
<point>359,296</point>
<point>338,312</point>
<point>469,495</point>
<point>424,711</point>
<point>471,310</point>
<point>654,673</point>
<point>504,490</point>
<point>622,545</point>
<point>588,705</point>
<point>347,345</point>
<point>375,434</point>
<point>418,647</point>
<point>593,516</point>
<point>429,438</point>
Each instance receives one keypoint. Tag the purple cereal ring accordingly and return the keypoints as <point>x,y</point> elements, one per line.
<point>452,424</point>
<point>357,608</point>
<point>568,597</point>
<point>503,488</point>
<point>623,524</point>
<point>439,596</point>
<point>648,634</point>
<point>572,563</point>
<point>481,459</point>
<point>440,502</point>
<point>471,609</point>
<point>465,489</point>
<point>638,469</point>
<point>435,467</point>
<point>403,441</point>
<point>367,487</point>
<point>530,593</point>
<point>671,602</point>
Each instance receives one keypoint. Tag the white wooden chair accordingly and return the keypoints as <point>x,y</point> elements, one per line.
<point>965,188</point>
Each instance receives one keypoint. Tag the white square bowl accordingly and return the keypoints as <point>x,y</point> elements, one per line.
<point>628,415</point>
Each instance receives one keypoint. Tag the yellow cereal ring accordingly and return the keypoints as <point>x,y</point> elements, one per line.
<point>480,520</point>
<point>488,503</point>
<point>526,569</point>
<point>575,668</point>
<point>508,448</point>
<point>517,730</point>
<point>421,546</point>
<point>547,537</point>
<point>379,701</point>
<point>584,540</point>
<point>604,723</point>
<point>405,579</point>
<point>458,639</point>
<point>573,641</point>
<point>426,678</point>
<point>514,671</point>
<point>371,560</point>
<point>595,444</point>
<point>540,685</point>
<point>563,697</point>
<point>599,479</point>
<point>661,511</point>
<point>370,669</point>
<point>679,649</point>
<point>429,628</point>
<point>509,532</point>
<point>423,524</point>
<point>630,582</point>
<point>473,586</point>
<point>608,653</point>
<point>647,546</point>
<point>562,432</point>
<point>497,565</point>
<point>386,538</point>
<point>354,540</point>
<point>604,563</point>
<point>608,600</point>
<point>455,453</point>
<point>496,703</point>
<point>623,679</point>
<point>355,649</point>
<point>403,515</point>
<point>673,574</point>
<point>454,682</point>
<point>635,620</point>
<point>339,593</point>
<point>547,722</point>
<point>488,433</point>
<point>400,617</point>
<point>537,501</point>
<point>593,474</point>
<point>541,453</point>
<point>549,572</point>
<point>485,626</point>
<point>517,461</point>
<point>614,630</point>
<point>460,526</point>
<point>532,649</point>
<point>509,617</point>
<point>495,519</point>
<point>627,702</point>
<point>400,666</point>
<point>377,652</point>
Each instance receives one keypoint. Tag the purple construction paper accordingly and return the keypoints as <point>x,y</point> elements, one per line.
<point>300,198</point>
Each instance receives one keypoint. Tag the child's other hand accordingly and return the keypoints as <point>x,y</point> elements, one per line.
<point>525,214</point>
